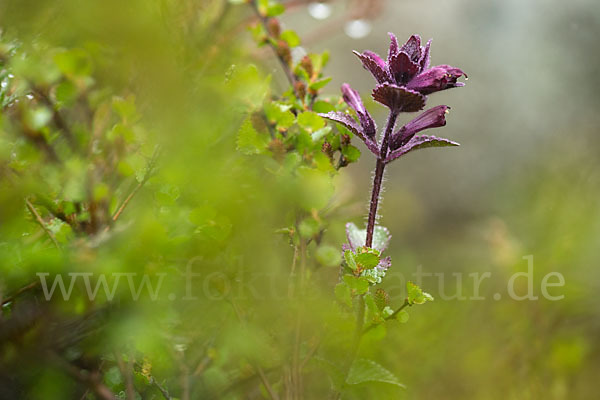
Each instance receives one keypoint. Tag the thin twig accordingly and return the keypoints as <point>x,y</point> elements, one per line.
<point>126,373</point>
<point>41,222</point>
<point>12,297</point>
<point>147,175</point>
<point>284,64</point>
<point>392,316</point>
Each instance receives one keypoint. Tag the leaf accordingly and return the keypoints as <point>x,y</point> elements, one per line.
<point>249,142</point>
<point>366,260</point>
<point>318,135</point>
<point>309,227</point>
<point>343,294</point>
<point>291,38</point>
<point>349,257</point>
<point>420,142</point>
<point>363,371</point>
<point>310,121</point>
<point>279,114</point>
<point>402,316</point>
<point>357,237</point>
<point>416,295</point>
<point>320,84</point>
<point>359,284</point>
<point>351,153</point>
<point>329,256</point>
<point>275,9</point>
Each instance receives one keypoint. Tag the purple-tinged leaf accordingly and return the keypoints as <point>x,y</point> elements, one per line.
<point>375,65</point>
<point>419,142</point>
<point>398,98</point>
<point>352,98</point>
<point>354,126</point>
<point>357,237</point>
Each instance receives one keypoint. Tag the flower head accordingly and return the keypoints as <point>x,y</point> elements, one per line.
<point>405,77</point>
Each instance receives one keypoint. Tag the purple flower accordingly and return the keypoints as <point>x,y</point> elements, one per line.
<point>432,118</point>
<point>405,77</point>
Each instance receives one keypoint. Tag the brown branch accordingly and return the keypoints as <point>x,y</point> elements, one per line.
<point>57,118</point>
<point>41,222</point>
<point>93,379</point>
<point>284,64</point>
<point>22,290</point>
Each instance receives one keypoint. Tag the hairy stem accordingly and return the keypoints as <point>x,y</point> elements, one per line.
<point>378,177</point>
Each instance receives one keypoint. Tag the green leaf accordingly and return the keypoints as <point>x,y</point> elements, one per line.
<point>249,141</point>
<point>320,84</point>
<point>416,295</point>
<point>402,316</point>
<point>349,257</point>
<point>367,260</point>
<point>343,294</point>
<point>291,38</point>
<point>310,121</point>
<point>363,371</point>
<point>329,256</point>
<point>308,228</point>
<point>275,9</point>
<point>279,114</point>
<point>322,106</point>
<point>319,134</point>
<point>359,284</point>
<point>74,62</point>
<point>351,153</point>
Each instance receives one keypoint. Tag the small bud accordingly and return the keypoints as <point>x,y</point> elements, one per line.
<point>283,50</point>
<point>382,299</point>
<point>306,63</point>
<point>345,140</point>
<point>327,149</point>
<point>300,89</point>
<point>273,27</point>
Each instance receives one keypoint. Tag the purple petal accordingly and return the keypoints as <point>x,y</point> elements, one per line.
<point>412,47</point>
<point>432,118</point>
<point>352,125</point>
<point>398,98</point>
<point>394,48</point>
<point>352,98</point>
<point>375,65</point>
<point>402,68</point>
<point>435,79</point>
<point>425,58</point>
<point>419,142</point>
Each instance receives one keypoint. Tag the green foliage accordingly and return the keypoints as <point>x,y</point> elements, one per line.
<point>363,371</point>
<point>416,295</point>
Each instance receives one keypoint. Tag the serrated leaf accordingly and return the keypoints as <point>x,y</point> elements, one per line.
<point>420,142</point>
<point>357,237</point>
<point>349,257</point>
<point>279,115</point>
<point>249,141</point>
<point>359,284</point>
<point>363,371</point>
<point>366,260</point>
<point>291,38</point>
<point>416,295</point>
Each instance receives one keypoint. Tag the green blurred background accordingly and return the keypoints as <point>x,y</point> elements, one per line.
<point>525,181</point>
